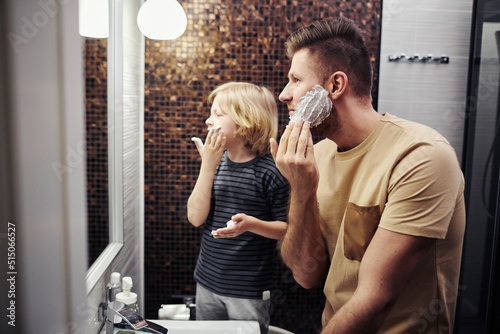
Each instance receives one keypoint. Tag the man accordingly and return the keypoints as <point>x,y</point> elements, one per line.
<point>376,208</point>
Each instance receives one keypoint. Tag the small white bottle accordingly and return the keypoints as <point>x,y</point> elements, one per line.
<point>127,297</point>
<point>113,286</point>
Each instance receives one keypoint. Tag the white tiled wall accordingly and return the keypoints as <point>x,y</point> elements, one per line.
<point>430,93</point>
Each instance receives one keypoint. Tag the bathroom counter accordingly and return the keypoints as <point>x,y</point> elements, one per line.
<point>207,327</point>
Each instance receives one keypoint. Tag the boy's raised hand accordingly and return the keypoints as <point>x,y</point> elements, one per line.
<point>211,152</point>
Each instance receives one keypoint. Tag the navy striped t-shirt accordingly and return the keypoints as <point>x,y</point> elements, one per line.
<point>242,266</point>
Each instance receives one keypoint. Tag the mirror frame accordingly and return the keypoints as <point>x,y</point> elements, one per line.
<point>115,144</point>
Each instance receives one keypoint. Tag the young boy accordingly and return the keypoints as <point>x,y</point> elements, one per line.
<point>242,199</point>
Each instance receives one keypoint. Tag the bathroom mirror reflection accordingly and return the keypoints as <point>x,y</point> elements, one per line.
<point>224,41</point>
<point>104,135</point>
<point>96,123</point>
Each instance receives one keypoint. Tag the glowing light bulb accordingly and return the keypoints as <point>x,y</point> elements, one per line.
<point>93,18</point>
<point>162,19</point>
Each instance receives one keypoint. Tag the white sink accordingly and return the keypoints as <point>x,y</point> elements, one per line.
<point>205,327</point>
<point>209,327</point>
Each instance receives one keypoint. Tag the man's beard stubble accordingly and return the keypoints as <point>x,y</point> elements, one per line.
<point>330,126</point>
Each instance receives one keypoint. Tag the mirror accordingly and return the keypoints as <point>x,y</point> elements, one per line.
<point>104,141</point>
<point>96,123</point>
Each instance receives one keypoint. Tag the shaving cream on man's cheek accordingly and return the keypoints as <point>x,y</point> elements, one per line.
<point>314,107</point>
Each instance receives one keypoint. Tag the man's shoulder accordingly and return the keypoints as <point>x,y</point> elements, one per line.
<point>410,130</point>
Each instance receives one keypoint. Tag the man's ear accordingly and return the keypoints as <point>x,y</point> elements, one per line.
<point>337,84</point>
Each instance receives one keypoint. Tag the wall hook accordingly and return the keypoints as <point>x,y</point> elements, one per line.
<point>416,58</point>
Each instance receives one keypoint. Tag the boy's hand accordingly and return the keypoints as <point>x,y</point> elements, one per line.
<point>211,152</point>
<point>236,226</point>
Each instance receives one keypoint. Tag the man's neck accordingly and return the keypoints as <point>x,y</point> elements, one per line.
<point>355,125</point>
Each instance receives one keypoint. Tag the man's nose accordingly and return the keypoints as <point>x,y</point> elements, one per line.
<point>285,95</point>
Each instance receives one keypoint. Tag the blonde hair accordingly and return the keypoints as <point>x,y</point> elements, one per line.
<point>253,108</point>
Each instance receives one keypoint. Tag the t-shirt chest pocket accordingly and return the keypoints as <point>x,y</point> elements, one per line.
<point>360,224</point>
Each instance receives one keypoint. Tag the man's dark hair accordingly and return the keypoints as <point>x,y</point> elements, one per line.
<point>338,45</point>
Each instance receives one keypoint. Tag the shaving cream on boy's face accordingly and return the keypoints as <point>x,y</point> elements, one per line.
<point>314,107</point>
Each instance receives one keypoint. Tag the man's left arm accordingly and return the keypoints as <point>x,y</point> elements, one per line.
<point>385,270</point>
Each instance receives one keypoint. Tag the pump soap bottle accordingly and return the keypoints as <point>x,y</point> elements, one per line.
<point>127,297</point>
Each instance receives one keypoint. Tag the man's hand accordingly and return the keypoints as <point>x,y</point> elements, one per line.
<point>295,157</point>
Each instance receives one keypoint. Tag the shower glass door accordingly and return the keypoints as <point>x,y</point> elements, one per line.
<point>478,310</point>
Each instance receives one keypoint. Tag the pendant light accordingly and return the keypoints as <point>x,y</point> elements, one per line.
<point>93,18</point>
<point>162,19</point>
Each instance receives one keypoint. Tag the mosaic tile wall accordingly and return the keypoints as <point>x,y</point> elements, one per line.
<point>238,40</point>
<point>97,145</point>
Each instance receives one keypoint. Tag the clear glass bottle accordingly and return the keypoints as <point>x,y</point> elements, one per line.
<point>126,296</point>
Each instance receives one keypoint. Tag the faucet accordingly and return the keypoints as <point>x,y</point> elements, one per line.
<point>189,301</point>
<point>110,319</point>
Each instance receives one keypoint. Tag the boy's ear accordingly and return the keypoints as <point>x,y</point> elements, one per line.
<point>337,84</point>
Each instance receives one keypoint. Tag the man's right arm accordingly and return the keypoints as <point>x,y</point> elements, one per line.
<point>302,247</point>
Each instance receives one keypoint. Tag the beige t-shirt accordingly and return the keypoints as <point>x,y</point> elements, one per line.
<point>405,177</point>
